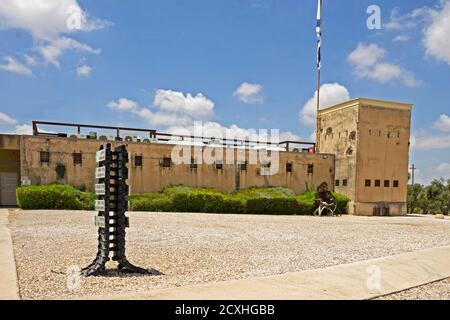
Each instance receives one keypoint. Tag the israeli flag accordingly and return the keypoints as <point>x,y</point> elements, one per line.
<point>319,33</point>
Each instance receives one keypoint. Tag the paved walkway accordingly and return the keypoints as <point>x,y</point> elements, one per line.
<point>8,276</point>
<point>361,280</point>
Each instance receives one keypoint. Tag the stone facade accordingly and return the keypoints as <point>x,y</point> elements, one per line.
<point>370,139</point>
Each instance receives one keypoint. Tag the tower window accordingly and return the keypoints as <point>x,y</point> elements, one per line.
<point>289,167</point>
<point>77,158</point>
<point>193,164</point>
<point>368,183</point>
<point>337,183</point>
<point>45,157</point>
<point>396,184</point>
<point>386,183</point>
<point>138,161</point>
<point>344,182</point>
<point>377,183</point>
<point>166,162</point>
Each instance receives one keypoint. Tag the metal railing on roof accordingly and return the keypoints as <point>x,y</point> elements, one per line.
<point>166,137</point>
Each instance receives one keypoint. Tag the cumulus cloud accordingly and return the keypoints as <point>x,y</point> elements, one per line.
<point>175,101</point>
<point>49,22</point>
<point>23,129</point>
<point>249,93</point>
<point>54,49</point>
<point>330,94</point>
<point>443,124</point>
<point>123,104</point>
<point>367,61</point>
<point>84,70</point>
<point>5,119</point>
<point>399,22</point>
<point>14,66</point>
<point>426,141</point>
<point>436,35</point>
<point>47,19</point>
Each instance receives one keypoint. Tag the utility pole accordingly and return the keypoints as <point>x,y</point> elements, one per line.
<point>413,169</point>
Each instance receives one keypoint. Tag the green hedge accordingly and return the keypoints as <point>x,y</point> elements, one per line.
<point>182,199</point>
<point>54,196</point>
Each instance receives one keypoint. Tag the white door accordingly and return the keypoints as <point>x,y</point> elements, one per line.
<point>8,185</point>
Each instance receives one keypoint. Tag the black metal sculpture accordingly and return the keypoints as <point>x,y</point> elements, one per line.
<point>111,204</point>
<point>325,201</point>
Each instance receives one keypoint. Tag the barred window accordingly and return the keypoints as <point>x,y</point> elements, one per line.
<point>368,182</point>
<point>377,183</point>
<point>310,168</point>
<point>386,183</point>
<point>396,183</point>
<point>45,157</point>
<point>337,183</point>
<point>344,182</point>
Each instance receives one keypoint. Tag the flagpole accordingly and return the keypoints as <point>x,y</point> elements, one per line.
<point>318,108</point>
<point>319,67</point>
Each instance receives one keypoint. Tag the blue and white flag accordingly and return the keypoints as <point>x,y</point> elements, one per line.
<point>319,33</point>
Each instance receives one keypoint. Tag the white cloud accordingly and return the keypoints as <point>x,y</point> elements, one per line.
<point>425,141</point>
<point>443,124</point>
<point>123,104</point>
<point>399,22</point>
<point>436,36</point>
<point>330,94</point>
<point>444,168</point>
<point>14,66</point>
<point>249,93</point>
<point>175,101</point>
<point>84,70</point>
<point>401,38</point>
<point>54,49</point>
<point>5,119</point>
<point>47,19</point>
<point>23,129</point>
<point>367,62</point>
<point>157,118</point>
<point>288,136</point>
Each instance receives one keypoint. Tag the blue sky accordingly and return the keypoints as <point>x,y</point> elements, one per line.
<point>247,63</point>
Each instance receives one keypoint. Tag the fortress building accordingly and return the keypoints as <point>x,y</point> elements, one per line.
<point>364,150</point>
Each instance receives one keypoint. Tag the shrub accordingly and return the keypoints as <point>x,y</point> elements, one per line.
<point>285,206</point>
<point>54,196</point>
<point>307,202</point>
<point>342,203</point>
<point>152,205</point>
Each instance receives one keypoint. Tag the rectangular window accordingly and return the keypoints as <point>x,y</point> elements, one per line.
<point>289,167</point>
<point>219,165</point>
<point>368,183</point>
<point>166,162</point>
<point>386,183</point>
<point>77,158</point>
<point>396,184</point>
<point>337,183</point>
<point>45,157</point>
<point>138,161</point>
<point>344,182</point>
<point>243,166</point>
<point>193,164</point>
<point>377,183</point>
<point>310,168</point>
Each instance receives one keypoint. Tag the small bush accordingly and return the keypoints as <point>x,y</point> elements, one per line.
<point>152,205</point>
<point>342,203</point>
<point>54,196</point>
<point>284,206</point>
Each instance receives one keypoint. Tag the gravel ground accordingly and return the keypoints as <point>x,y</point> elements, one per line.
<point>439,290</point>
<point>196,248</point>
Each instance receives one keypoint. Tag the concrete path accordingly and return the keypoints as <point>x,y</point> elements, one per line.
<point>8,275</point>
<point>361,280</point>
